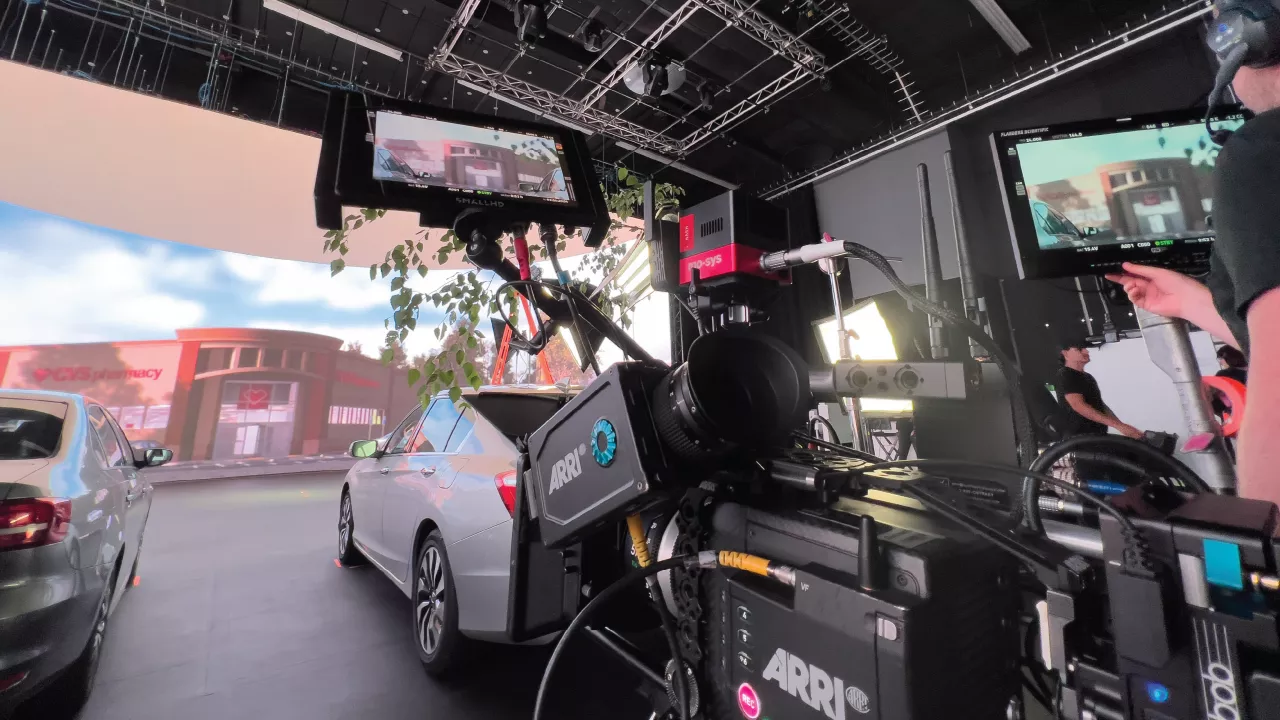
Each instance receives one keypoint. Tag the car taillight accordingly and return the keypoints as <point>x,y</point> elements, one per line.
<point>506,483</point>
<point>31,522</point>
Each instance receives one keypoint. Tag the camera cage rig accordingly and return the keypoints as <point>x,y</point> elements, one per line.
<point>1167,610</point>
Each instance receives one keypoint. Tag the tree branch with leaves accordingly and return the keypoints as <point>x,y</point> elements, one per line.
<point>466,298</point>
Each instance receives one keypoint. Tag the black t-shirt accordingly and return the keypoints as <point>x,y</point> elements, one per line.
<point>1072,381</point>
<point>1246,186</point>
<point>1240,375</point>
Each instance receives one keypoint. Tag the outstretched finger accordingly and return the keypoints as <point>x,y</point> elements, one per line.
<point>1144,271</point>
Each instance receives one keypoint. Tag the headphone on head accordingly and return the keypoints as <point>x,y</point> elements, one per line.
<point>1245,32</point>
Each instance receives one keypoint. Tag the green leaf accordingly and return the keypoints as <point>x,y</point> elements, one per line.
<point>422,271</point>
<point>442,258</point>
<point>397,282</point>
<point>373,272</point>
<point>469,369</point>
<point>455,393</point>
<point>336,266</point>
<point>631,182</point>
<point>459,356</point>
<point>414,376</point>
<point>386,269</point>
<point>387,355</point>
<point>622,174</point>
<point>357,225</point>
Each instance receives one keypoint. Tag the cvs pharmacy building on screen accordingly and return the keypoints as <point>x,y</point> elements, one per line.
<point>222,393</point>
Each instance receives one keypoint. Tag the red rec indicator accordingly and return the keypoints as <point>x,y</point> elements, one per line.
<point>748,701</point>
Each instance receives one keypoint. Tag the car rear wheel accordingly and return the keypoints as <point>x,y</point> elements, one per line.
<point>348,553</point>
<point>70,692</point>
<point>441,647</point>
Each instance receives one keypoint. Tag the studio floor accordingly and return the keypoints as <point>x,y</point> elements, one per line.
<point>241,611</point>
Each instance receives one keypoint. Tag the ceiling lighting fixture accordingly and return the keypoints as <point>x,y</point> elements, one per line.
<point>652,77</point>
<point>1003,26</point>
<point>333,28</point>
<point>591,33</point>
<point>531,21</point>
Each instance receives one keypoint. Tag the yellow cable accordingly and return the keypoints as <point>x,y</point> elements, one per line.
<point>743,561</point>
<point>636,526</point>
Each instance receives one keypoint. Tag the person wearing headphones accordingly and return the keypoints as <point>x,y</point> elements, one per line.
<point>1239,302</point>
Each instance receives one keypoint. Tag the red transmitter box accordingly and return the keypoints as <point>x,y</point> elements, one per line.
<point>724,237</point>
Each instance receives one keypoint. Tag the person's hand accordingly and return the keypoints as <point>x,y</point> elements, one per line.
<point>1130,431</point>
<point>1163,292</point>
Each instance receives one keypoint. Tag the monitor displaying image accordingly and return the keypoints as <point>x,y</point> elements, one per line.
<point>1083,197</point>
<point>469,159</point>
<point>1135,186</point>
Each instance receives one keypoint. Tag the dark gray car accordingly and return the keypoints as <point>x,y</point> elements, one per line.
<point>73,506</point>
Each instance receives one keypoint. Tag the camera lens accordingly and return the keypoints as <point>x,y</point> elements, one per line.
<point>738,388</point>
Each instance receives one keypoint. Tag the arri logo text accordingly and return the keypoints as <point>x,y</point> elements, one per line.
<point>567,469</point>
<point>814,686</point>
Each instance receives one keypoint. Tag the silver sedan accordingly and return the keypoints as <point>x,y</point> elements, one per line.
<point>431,506</point>
<point>73,506</point>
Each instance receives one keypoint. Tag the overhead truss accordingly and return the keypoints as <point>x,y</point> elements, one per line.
<point>802,62</point>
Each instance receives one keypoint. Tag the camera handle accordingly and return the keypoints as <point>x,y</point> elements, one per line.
<point>1169,346</point>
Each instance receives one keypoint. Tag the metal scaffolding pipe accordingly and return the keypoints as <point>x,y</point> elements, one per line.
<point>44,13</point>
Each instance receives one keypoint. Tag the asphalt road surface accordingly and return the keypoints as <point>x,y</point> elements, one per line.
<point>241,612</point>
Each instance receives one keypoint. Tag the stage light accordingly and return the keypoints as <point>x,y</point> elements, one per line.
<point>531,22</point>
<point>653,77</point>
<point>1003,26</point>
<point>332,28</point>
<point>592,35</point>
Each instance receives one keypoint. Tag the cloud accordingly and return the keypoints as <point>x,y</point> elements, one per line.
<point>371,337</point>
<point>63,282</point>
<point>279,282</point>
<point>289,282</point>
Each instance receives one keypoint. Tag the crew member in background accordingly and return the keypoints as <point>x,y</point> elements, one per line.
<point>1081,399</point>
<point>1240,302</point>
<point>1235,366</point>
<point>1233,363</point>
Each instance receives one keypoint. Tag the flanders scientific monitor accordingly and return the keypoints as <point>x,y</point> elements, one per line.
<point>1083,197</point>
<point>394,155</point>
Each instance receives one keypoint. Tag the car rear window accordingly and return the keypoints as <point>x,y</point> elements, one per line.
<point>30,428</point>
<point>516,415</point>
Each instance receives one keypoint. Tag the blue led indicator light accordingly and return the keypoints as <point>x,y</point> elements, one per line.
<point>604,442</point>
<point>1158,693</point>
<point>1223,27</point>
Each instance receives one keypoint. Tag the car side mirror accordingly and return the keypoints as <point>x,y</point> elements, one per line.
<point>363,448</point>
<point>155,457</point>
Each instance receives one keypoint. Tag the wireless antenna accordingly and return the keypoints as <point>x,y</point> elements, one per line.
<point>975,306</point>
<point>932,263</point>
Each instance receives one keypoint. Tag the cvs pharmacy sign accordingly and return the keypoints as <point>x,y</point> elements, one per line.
<point>84,373</point>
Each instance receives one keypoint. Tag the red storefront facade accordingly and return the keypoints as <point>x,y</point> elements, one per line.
<point>225,393</point>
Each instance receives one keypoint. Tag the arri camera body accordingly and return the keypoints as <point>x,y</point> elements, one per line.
<point>905,593</point>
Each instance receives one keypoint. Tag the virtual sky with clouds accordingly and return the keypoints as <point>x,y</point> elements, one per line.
<point>63,281</point>
<point>68,282</point>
